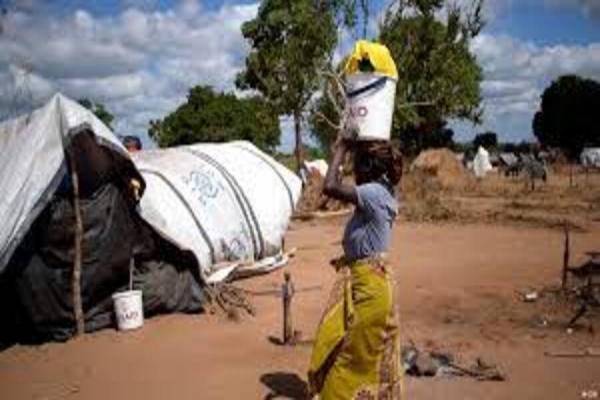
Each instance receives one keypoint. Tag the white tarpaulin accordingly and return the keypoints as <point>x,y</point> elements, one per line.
<point>481,163</point>
<point>224,202</point>
<point>308,167</point>
<point>590,157</point>
<point>32,163</point>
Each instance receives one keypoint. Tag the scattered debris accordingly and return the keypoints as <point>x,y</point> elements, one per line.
<point>540,322</point>
<point>530,297</point>
<point>438,364</point>
<point>228,299</point>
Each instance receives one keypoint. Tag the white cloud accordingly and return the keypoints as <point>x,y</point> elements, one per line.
<point>517,72</point>
<point>140,62</point>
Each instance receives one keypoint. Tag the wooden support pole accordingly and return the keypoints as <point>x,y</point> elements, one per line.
<point>77,259</point>
<point>566,255</point>
<point>287,290</point>
<point>570,175</point>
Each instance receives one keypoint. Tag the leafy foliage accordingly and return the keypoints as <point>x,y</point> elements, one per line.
<point>568,118</point>
<point>438,75</point>
<point>519,148</point>
<point>291,40</point>
<point>323,133</point>
<point>208,116</point>
<point>439,78</point>
<point>488,140</point>
<point>99,110</point>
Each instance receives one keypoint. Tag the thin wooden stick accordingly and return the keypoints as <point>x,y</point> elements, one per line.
<point>131,267</point>
<point>323,118</point>
<point>416,103</point>
<point>566,255</point>
<point>573,354</point>
<point>287,294</point>
<point>76,280</point>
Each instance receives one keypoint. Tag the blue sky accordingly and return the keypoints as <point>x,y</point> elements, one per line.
<point>140,56</point>
<point>546,25</point>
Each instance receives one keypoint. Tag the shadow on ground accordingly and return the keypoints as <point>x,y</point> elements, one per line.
<point>284,385</point>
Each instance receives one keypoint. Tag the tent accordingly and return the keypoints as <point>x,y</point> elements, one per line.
<point>481,163</point>
<point>508,159</point>
<point>124,240</point>
<point>590,157</point>
<point>37,234</point>
<point>229,204</point>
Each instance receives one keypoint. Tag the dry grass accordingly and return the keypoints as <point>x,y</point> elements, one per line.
<point>501,200</point>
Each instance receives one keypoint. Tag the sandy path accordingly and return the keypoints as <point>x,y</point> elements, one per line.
<point>456,292</point>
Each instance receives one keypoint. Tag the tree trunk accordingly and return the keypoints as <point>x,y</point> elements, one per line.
<point>76,279</point>
<point>299,149</point>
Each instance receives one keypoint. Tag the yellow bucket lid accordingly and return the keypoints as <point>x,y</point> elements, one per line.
<point>378,55</point>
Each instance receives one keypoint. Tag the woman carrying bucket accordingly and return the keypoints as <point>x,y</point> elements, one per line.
<point>357,349</point>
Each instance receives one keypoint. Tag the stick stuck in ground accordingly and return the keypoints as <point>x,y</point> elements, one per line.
<point>77,259</point>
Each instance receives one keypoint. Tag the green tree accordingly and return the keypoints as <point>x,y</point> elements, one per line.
<point>439,77</point>
<point>568,118</point>
<point>321,130</point>
<point>99,110</point>
<point>291,41</point>
<point>489,140</point>
<point>208,116</point>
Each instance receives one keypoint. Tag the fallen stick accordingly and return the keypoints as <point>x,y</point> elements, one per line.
<point>488,374</point>
<point>304,216</point>
<point>575,354</point>
<point>278,292</point>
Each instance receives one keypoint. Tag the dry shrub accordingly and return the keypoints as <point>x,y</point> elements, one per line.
<point>432,174</point>
<point>419,184</point>
<point>430,209</point>
<point>443,165</point>
<point>422,195</point>
<point>313,199</point>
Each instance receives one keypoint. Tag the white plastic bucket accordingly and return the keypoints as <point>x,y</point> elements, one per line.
<point>129,309</point>
<point>371,99</point>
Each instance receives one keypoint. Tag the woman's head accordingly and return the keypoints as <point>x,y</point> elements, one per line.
<point>376,161</point>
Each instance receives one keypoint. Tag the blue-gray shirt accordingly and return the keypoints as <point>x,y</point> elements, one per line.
<point>369,230</point>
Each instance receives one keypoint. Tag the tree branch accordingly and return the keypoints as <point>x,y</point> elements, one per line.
<point>322,117</point>
<point>417,103</point>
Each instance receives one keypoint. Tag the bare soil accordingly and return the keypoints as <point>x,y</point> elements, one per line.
<point>458,291</point>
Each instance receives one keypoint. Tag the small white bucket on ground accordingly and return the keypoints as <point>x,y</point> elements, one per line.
<point>371,99</point>
<point>129,309</point>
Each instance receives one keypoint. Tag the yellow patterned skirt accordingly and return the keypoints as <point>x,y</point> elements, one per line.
<point>357,349</point>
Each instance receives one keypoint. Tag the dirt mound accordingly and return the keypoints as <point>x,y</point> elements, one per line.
<point>313,199</point>
<point>442,165</point>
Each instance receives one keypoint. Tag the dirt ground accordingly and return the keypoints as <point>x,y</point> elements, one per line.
<point>460,284</point>
<point>457,291</point>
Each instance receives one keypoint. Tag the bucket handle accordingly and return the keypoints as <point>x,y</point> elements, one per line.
<point>379,82</point>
